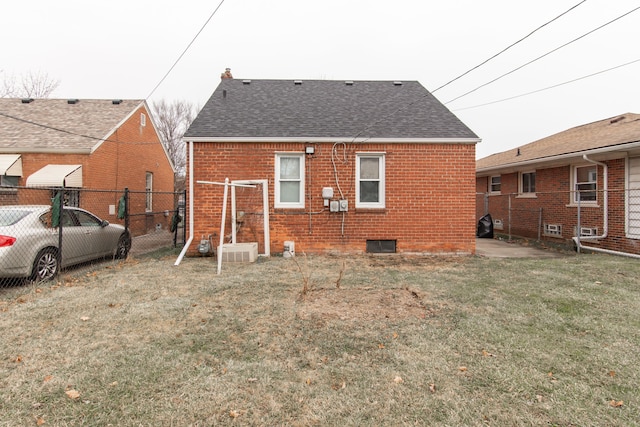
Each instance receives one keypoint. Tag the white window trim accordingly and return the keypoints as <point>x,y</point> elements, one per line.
<point>491,184</point>
<point>143,119</point>
<point>521,193</point>
<point>276,201</point>
<point>381,166</point>
<point>148,190</point>
<point>573,195</point>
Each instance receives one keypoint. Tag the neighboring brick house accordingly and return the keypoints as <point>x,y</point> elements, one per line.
<point>83,144</point>
<point>349,166</point>
<point>583,181</point>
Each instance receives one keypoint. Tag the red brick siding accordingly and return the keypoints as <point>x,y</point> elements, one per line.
<point>553,197</point>
<point>120,161</point>
<point>429,197</point>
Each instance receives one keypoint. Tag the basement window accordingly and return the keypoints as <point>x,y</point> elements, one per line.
<point>553,230</point>
<point>381,246</point>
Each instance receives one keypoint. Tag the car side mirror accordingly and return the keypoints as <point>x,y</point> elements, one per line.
<point>104,223</point>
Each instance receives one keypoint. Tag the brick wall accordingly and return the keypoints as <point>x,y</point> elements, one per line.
<point>429,197</point>
<point>120,161</point>
<point>553,196</point>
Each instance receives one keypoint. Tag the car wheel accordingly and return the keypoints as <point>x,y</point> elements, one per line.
<point>46,265</point>
<point>124,245</point>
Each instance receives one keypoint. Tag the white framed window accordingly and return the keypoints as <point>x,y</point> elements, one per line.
<point>553,230</point>
<point>527,183</point>
<point>148,189</point>
<point>9,181</point>
<point>584,179</point>
<point>143,119</point>
<point>370,180</point>
<point>289,182</point>
<point>494,184</point>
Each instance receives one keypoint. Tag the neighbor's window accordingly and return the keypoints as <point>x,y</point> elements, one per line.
<point>289,182</point>
<point>370,180</point>
<point>527,182</point>
<point>143,119</point>
<point>494,184</point>
<point>148,188</point>
<point>585,183</point>
<point>8,181</point>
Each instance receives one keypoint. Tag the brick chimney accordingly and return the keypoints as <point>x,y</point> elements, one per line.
<point>226,74</point>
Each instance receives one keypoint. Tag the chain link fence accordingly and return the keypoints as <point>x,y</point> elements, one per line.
<point>558,217</point>
<point>43,230</point>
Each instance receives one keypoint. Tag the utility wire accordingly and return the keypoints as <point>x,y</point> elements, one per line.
<point>508,47</point>
<point>185,50</point>
<point>148,96</point>
<point>549,87</point>
<point>68,132</point>
<point>542,56</point>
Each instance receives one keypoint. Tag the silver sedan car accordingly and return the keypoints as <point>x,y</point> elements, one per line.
<point>29,246</point>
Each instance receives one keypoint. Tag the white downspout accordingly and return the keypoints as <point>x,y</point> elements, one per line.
<point>605,217</point>
<point>190,239</point>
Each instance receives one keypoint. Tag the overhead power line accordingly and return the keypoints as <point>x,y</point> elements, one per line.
<point>508,47</point>
<point>550,87</point>
<point>185,50</point>
<point>544,55</point>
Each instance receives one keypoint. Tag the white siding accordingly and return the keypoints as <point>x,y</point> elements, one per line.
<point>633,198</point>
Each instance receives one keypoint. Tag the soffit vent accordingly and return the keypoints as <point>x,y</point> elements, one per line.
<point>397,83</point>
<point>297,82</point>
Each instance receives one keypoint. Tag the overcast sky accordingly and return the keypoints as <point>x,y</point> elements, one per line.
<point>123,48</point>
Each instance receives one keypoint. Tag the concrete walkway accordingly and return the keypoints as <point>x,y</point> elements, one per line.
<point>494,248</point>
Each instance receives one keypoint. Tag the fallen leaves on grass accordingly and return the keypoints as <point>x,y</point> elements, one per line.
<point>398,380</point>
<point>40,421</point>
<point>72,394</point>
<point>462,368</point>
<point>616,403</point>
<point>432,388</point>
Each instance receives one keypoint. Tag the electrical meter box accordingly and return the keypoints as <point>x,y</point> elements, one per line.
<point>344,205</point>
<point>327,193</point>
<point>334,206</point>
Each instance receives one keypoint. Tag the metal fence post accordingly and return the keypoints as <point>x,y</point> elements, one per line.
<point>126,208</point>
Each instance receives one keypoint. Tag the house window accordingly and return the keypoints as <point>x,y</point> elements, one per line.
<point>494,184</point>
<point>148,189</point>
<point>553,230</point>
<point>527,183</point>
<point>143,119</point>
<point>8,181</point>
<point>289,182</point>
<point>585,183</point>
<point>370,180</point>
<point>69,197</point>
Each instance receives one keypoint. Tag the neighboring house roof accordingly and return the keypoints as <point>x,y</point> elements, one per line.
<point>60,125</point>
<point>285,110</point>
<point>612,135</point>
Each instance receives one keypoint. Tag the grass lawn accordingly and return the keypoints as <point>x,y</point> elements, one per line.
<point>380,340</point>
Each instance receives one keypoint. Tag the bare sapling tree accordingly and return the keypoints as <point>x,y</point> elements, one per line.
<point>30,85</point>
<point>172,120</point>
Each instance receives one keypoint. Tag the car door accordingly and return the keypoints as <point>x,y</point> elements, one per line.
<point>96,240</point>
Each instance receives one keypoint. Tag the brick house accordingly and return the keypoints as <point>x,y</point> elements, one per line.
<point>82,144</point>
<point>583,182</point>
<point>346,166</point>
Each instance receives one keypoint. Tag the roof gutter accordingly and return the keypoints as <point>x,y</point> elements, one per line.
<point>539,160</point>
<point>338,139</point>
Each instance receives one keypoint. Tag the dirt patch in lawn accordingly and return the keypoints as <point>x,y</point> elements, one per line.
<point>363,304</point>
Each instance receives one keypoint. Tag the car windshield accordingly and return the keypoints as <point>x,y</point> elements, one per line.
<point>11,216</point>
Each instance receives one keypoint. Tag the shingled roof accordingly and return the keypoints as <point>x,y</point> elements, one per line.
<point>612,134</point>
<point>61,125</point>
<point>325,109</point>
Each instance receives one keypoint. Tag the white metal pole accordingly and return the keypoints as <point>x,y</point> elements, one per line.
<point>224,218</point>
<point>188,242</point>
